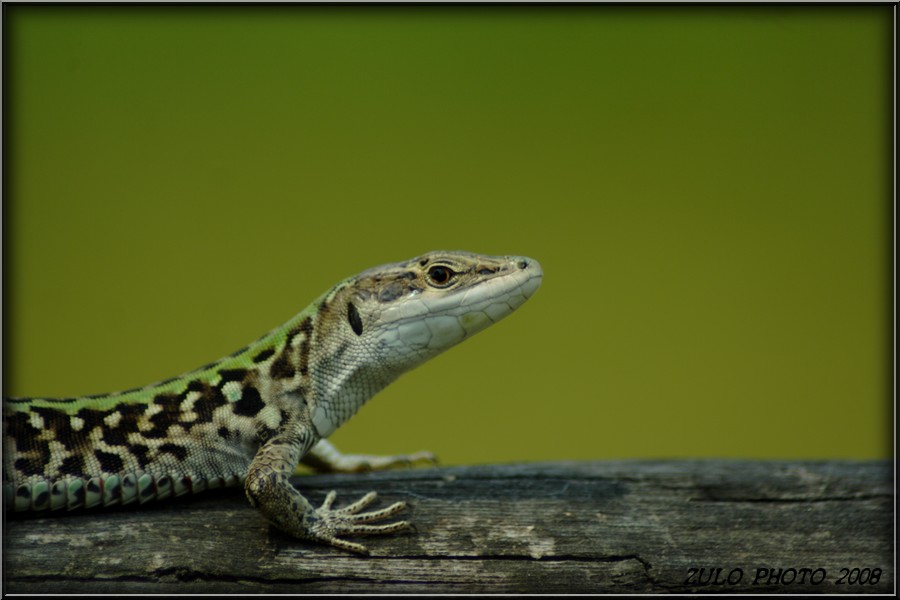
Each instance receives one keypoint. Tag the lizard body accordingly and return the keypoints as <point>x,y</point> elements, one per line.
<point>251,417</point>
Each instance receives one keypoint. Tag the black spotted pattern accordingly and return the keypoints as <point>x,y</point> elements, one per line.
<point>264,355</point>
<point>42,499</point>
<point>232,375</point>
<point>281,367</point>
<point>114,489</point>
<point>141,453</point>
<point>128,424</point>
<point>176,450</point>
<point>250,403</point>
<point>211,399</point>
<point>123,432</point>
<point>30,465</point>
<point>19,428</point>
<point>79,496</point>
<point>148,492</point>
<point>73,465</point>
<point>169,415</point>
<point>306,327</point>
<point>110,463</point>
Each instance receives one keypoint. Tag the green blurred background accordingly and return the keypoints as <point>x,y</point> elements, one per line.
<point>707,189</point>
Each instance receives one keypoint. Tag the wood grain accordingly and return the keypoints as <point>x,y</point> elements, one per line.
<point>578,527</point>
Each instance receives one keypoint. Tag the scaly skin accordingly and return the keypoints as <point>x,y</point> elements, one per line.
<point>252,417</point>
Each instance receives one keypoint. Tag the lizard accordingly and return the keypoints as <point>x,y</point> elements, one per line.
<point>250,418</point>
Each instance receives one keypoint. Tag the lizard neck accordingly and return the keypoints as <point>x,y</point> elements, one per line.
<point>321,365</point>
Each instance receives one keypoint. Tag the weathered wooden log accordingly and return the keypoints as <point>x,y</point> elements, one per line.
<point>582,527</point>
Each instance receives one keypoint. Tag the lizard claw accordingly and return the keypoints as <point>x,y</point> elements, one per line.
<point>328,523</point>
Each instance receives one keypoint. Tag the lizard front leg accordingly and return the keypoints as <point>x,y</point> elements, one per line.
<point>269,489</point>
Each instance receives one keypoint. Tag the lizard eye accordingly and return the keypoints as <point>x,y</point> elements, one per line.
<point>440,276</point>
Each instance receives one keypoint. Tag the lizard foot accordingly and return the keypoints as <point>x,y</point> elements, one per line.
<point>325,458</point>
<point>328,523</point>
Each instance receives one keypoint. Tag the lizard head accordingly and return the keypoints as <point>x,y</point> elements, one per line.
<point>375,326</point>
<point>419,308</point>
<point>402,314</point>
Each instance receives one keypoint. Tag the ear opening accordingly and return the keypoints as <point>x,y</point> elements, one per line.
<point>353,318</point>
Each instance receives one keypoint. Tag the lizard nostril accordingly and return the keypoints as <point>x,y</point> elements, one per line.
<point>523,264</point>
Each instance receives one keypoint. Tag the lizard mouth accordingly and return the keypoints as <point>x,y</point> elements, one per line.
<point>497,295</point>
